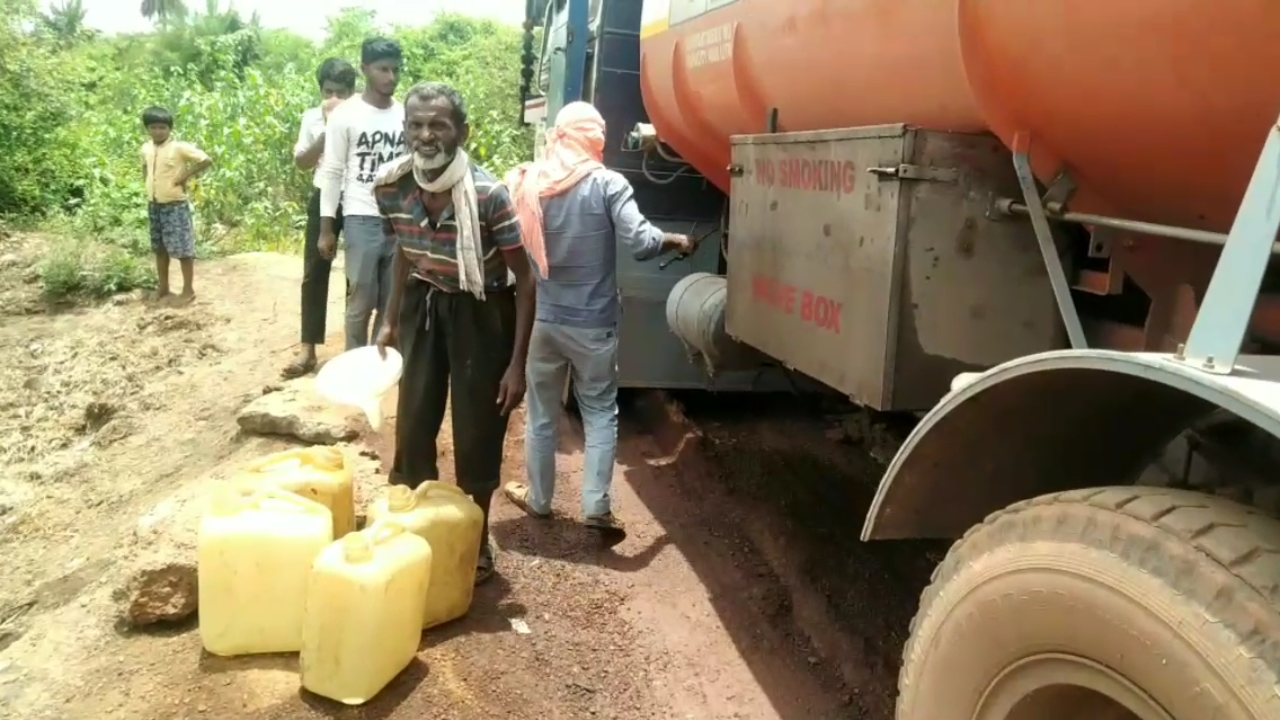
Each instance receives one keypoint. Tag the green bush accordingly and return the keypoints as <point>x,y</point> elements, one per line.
<point>70,127</point>
<point>87,269</point>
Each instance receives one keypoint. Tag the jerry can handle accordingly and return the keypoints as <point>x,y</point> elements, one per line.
<point>243,495</point>
<point>325,457</point>
<point>358,546</point>
<point>270,492</point>
<point>262,463</point>
<point>431,485</point>
<point>383,531</point>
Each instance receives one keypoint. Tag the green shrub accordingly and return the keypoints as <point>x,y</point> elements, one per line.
<point>87,269</point>
<point>70,127</point>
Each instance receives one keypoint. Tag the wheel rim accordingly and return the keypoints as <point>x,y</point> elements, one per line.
<point>1054,686</point>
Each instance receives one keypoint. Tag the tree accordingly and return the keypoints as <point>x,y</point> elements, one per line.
<point>38,114</point>
<point>70,127</point>
<point>163,11</point>
<point>64,23</point>
<point>347,30</point>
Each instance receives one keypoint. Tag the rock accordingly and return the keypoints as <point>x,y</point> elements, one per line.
<point>158,563</point>
<point>158,590</point>
<point>296,410</point>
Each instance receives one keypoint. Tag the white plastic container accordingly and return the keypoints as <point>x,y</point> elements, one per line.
<point>319,473</point>
<point>450,521</point>
<point>361,378</point>
<point>364,612</point>
<point>254,554</point>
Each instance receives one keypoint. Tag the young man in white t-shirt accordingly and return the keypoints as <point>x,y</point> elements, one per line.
<point>361,135</point>
<point>337,81</point>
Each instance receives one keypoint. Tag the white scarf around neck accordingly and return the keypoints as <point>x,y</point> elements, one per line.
<point>460,183</point>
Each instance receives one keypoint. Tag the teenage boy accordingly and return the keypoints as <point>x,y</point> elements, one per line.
<point>361,135</point>
<point>337,81</point>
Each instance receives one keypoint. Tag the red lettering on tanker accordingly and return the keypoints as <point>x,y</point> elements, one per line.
<point>839,177</point>
<point>813,309</point>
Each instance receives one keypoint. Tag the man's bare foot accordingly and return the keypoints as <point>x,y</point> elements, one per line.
<point>186,298</point>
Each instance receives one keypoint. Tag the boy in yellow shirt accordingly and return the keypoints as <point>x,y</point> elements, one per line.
<point>168,166</point>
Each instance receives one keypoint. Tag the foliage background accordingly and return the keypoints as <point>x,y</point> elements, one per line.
<point>70,128</point>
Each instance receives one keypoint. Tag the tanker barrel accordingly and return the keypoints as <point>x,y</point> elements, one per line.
<point>695,314</point>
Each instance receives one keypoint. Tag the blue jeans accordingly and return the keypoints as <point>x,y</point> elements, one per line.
<point>367,257</point>
<point>591,355</point>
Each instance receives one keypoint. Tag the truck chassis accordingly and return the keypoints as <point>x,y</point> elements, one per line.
<point>1075,589</point>
<point>1115,511</point>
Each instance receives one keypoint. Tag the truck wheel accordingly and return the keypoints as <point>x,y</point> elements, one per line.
<point>1120,603</point>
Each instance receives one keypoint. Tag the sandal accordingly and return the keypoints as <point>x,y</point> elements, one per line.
<point>611,529</point>
<point>518,495</point>
<point>486,566</point>
<point>298,368</point>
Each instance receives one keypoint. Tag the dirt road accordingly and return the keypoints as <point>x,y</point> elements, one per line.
<point>741,593</point>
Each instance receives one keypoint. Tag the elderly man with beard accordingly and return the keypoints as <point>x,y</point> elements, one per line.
<point>454,314</point>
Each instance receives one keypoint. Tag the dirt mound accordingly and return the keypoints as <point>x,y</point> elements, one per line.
<point>105,410</point>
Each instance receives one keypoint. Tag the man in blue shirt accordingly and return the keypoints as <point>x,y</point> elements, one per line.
<point>575,214</point>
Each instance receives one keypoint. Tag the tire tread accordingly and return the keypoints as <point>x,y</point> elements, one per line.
<point>1198,532</point>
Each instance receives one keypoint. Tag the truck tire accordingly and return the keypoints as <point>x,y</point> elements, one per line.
<point>1117,603</point>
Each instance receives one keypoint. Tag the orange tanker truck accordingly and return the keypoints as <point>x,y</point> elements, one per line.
<point>1045,228</point>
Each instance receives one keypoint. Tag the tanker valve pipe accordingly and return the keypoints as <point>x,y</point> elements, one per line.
<point>1054,211</point>
<point>642,137</point>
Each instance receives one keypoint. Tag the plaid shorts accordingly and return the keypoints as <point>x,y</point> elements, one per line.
<point>172,230</point>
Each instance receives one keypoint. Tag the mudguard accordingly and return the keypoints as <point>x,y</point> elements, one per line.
<point>1051,422</point>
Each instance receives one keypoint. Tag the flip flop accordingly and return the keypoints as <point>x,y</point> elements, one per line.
<point>518,495</point>
<point>486,565</point>
<point>297,369</point>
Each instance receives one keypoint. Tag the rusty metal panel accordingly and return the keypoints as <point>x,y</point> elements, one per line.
<point>814,240</point>
<point>975,291</point>
<point>865,259</point>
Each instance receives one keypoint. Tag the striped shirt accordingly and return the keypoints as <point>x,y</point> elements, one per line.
<point>433,250</point>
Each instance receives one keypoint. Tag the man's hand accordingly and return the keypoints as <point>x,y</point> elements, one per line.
<point>511,389</point>
<point>328,105</point>
<point>678,243</point>
<point>328,244</point>
<point>386,338</point>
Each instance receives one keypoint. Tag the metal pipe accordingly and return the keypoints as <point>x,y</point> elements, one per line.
<point>1207,237</point>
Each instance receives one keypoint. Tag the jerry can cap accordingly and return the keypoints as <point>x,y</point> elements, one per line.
<point>356,548</point>
<point>400,498</point>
